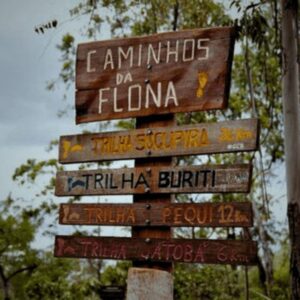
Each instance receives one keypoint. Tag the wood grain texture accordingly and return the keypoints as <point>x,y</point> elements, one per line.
<point>205,138</point>
<point>229,214</point>
<point>197,63</point>
<point>192,179</point>
<point>234,252</point>
<point>162,121</point>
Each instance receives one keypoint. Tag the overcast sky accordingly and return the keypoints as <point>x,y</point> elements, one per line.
<point>28,114</point>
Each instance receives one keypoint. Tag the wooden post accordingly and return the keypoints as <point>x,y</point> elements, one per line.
<point>148,198</point>
<point>290,88</point>
<point>149,284</point>
<point>149,278</point>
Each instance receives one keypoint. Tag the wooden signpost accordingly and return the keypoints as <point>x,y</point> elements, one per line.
<point>152,78</point>
<point>153,232</point>
<point>229,214</point>
<point>192,179</point>
<point>158,74</point>
<point>206,138</point>
<point>159,250</point>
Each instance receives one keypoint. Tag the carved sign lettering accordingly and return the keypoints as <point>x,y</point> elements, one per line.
<point>206,138</point>
<point>234,252</point>
<point>158,74</point>
<point>227,214</point>
<point>200,179</point>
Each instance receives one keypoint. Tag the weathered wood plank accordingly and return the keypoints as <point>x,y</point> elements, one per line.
<point>153,232</point>
<point>159,74</point>
<point>205,138</point>
<point>234,252</point>
<point>229,214</point>
<point>191,179</point>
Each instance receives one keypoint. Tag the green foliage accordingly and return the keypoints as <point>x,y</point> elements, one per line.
<point>16,254</point>
<point>192,282</point>
<point>32,169</point>
<point>66,75</point>
<point>203,282</point>
<point>57,279</point>
<point>50,281</point>
<point>65,278</point>
<point>280,288</point>
<point>115,275</point>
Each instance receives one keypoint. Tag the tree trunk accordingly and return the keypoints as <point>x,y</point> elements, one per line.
<point>290,90</point>
<point>5,287</point>
<point>6,290</point>
<point>266,261</point>
<point>5,284</point>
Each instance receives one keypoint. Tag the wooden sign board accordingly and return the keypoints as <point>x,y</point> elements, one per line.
<point>206,138</point>
<point>234,252</point>
<point>229,214</point>
<point>158,74</point>
<point>197,179</point>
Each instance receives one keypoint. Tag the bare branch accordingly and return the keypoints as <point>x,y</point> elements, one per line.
<point>28,268</point>
<point>176,14</point>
